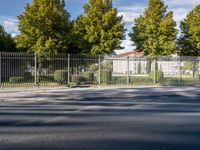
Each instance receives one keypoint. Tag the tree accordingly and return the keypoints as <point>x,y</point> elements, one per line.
<point>44,27</point>
<point>154,32</point>
<point>189,41</point>
<point>6,41</point>
<point>101,30</point>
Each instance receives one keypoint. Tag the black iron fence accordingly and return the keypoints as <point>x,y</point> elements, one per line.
<point>31,70</point>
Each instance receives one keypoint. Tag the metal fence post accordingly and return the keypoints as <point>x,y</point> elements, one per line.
<point>35,60</point>
<point>199,72</point>
<point>128,72</point>
<point>99,69</point>
<point>155,70</point>
<point>0,72</point>
<point>68,70</point>
<point>180,71</point>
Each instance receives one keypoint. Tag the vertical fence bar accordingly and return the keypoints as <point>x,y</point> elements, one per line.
<point>180,71</point>
<point>68,69</point>
<point>35,77</point>
<point>128,72</point>
<point>155,71</point>
<point>0,72</point>
<point>99,69</point>
<point>199,71</point>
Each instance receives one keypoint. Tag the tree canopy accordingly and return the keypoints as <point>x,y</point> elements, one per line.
<point>100,30</point>
<point>6,41</point>
<point>44,27</point>
<point>154,32</point>
<point>189,41</point>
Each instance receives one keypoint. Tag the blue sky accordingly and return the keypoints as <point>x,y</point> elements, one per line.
<point>130,9</point>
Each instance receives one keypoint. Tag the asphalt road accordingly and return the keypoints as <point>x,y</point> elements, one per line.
<point>101,119</point>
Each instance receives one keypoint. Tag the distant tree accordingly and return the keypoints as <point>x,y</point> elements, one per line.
<point>189,41</point>
<point>44,27</point>
<point>101,30</point>
<point>138,34</point>
<point>6,41</point>
<point>154,32</point>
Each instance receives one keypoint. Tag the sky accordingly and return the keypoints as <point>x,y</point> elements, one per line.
<point>130,9</point>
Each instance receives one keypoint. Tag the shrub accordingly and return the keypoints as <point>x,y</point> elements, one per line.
<point>106,76</point>
<point>159,75</point>
<point>87,76</point>
<point>119,80</point>
<point>28,76</point>
<point>197,75</point>
<point>76,78</point>
<point>141,80</point>
<point>47,78</point>
<point>171,81</point>
<point>60,76</point>
<point>16,79</point>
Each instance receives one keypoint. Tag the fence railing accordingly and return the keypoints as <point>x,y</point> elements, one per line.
<point>31,70</point>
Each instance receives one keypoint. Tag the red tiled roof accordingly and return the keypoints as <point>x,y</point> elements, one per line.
<point>130,53</point>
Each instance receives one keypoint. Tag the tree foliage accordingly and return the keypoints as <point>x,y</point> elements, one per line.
<point>190,38</point>
<point>6,41</point>
<point>44,27</point>
<point>100,30</point>
<point>154,32</point>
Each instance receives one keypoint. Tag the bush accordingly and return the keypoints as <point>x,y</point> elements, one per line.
<point>119,80</point>
<point>106,76</point>
<point>28,76</point>
<point>141,80</point>
<point>197,75</point>
<point>60,76</point>
<point>171,81</point>
<point>47,78</point>
<point>159,75</point>
<point>87,76</point>
<point>16,79</point>
<point>176,81</point>
<point>76,78</point>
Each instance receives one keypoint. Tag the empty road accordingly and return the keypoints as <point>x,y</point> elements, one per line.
<point>100,119</point>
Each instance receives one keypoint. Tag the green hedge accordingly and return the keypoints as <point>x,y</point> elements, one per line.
<point>47,78</point>
<point>106,76</point>
<point>138,80</point>
<point>159,75</point>
<point>87,76</point>
<point>76,78</point>
<point>173,81</point>
<point>28,76</point>
<point>60,76</point>
<point>16,79</point>
<point>141,80</point>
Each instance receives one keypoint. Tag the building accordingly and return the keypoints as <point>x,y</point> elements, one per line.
<point>136,63</point>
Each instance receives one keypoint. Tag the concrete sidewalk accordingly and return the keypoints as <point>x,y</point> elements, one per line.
<point>111,92</point>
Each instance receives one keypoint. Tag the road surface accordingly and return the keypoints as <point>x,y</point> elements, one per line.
<point>101,119</point>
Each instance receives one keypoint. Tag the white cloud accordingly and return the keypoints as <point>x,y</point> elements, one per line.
<point>129,13</point>
<point>182,3</point>
<point>10,25</point>
<point>180,8</point>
